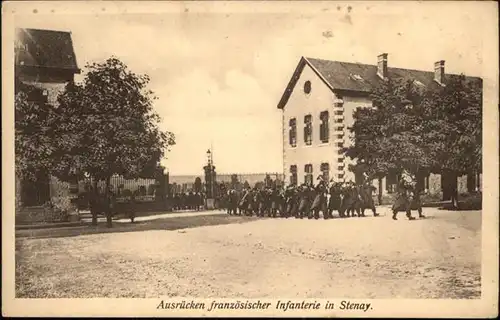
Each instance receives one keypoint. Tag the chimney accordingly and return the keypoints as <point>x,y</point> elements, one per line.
<point>382,66</point>
<point>439,72</point>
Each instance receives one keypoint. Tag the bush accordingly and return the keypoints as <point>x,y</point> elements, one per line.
<point>151,189</point>
<point>126,193</point>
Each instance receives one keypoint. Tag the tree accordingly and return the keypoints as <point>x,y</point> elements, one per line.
<point>454,132</point>
<point>419,130</point>
<point>33,133</point>
<point>390,134</point>
<point>106,125</point>
<point>197,184</point>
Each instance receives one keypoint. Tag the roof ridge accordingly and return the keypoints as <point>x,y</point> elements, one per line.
<point>44,30</point>
<point>388,67</point>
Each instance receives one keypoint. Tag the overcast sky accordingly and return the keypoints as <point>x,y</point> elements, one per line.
<point>219,75</point>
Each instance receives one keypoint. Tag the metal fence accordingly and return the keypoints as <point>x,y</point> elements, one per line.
<point>119,184</point>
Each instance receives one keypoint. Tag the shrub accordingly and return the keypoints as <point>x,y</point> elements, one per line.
<point>127,193</point>
<point>151,189</point>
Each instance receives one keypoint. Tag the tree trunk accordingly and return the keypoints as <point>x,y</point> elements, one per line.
<point>454,190</point>
<point>379,191</point>
<point>94,202</point>
<point>109,223</point>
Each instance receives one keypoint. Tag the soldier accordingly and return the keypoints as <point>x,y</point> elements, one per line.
<point>405,197</point>
<point>365,192</point>
<point>304,194</point>
<point>319,203</point>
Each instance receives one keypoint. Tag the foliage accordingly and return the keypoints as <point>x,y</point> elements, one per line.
<point>454,125</point>
<point>197,184</point>
<point>417,129</point>
<point>151,189</point>
<point>108,125</point>
<point>126,193</point>
<point>33,134</point>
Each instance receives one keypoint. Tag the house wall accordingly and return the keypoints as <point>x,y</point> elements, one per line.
<point>299,105</point>
<point>54,85</point>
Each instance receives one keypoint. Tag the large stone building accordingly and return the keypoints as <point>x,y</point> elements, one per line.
<point>317,110</point>
<point>45,60</point>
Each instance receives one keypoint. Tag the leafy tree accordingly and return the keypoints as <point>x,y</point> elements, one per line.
<point>197,184</point>
<point>454,129</point>
<point>106,125</point>
<point>422,131</point>
<point>389,135</point>
<point>33,134</point>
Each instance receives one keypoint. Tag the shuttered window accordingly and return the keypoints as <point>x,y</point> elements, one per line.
<point>308,130</point>
<point>293,175</point>
<point>308,174</point>
<point>292,132</point>
<point>324,130</point>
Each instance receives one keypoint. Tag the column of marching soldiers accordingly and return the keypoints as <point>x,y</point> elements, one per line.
<point>306,200</point>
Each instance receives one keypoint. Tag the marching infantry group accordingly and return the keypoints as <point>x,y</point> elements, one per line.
<point>188,201</point>
<point>306,200</point>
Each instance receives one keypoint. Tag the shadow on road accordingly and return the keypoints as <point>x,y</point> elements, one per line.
<point>168,224</point>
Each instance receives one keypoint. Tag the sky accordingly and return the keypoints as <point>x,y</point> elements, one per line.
<point>219,70</point>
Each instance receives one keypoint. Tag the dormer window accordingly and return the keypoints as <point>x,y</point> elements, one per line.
<point>356,77</point>
<point>307,87</point>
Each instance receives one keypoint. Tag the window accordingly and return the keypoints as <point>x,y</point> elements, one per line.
<point>324,130</point>
<point>292,133</point>
<point>341,176</point>
<point>308,130</point>
<point>293,175</point>
<point>356,77</point>
<point>308,176</point>
<point>325,171</point>
<point>339,120</point>
<point>307,87</point>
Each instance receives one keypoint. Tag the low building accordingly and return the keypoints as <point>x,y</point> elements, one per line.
<point>317,109</point>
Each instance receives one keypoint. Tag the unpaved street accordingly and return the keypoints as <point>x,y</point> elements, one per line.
<point>437,257</point>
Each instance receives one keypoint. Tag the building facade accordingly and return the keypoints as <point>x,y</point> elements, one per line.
<point>44,60</point>
<point>317,110</point>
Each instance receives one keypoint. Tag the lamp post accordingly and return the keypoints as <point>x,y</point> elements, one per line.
<point>210,168</point>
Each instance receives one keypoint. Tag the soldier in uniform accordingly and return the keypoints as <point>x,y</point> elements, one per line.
<point>304,202</point>
<point>319,203</point>
<point>335,200</point>
<point>406,197</point>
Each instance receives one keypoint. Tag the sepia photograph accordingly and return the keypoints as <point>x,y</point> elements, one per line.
<point>221,158</point>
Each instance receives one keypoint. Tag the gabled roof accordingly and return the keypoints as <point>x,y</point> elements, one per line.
<point>356,78</point>
<point>46,49</point>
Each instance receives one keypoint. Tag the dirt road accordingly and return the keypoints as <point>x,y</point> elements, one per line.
<point>437,257</point>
